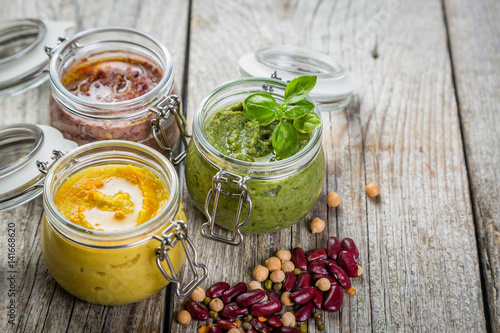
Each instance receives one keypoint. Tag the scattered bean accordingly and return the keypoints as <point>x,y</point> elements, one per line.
<point>304,312</point>
<point>265,309</point>
<point>317,225</point>
<point>333,300</point>
<point>299,258</point>
<point>340,275</point>
<point>303,280</point>
<point>360,270</point>
<point>248,318</point>
<point>285,299</point>
<point>277,276</point>
<point>247,326</point>
<point>319,266</point>
<point>198,295</point>
<point>260,273</point>
<point>316,254</point>
<point>226,324</point>
<point>216,304</point>
<point>287,266</point>
<point>273,296</point>
<point>286,330</point>
<point>274,321</point>
<point>349,246</point>
<point>207,300</point>
<point>214,314</point>
<point>231,293</point>
<point>254,285</point>
<point>289,282</point>
<point>233,330</point>
<point>333,246</point>
<point>250,298</point>
<point>273,264</point>
<point>323,284</point>
<point>217,289</point>
<point>232,311</point>
<point>331,279</point>
<point>184,317</point>
<point>318,298</point>
<point>346,261</point>
<point>333,199</point>
<point>372,189</point>
<point>196,310</point>
<point>277,286</point>
<point>268,284</point>
<point>260,326</point>
<point>297,271</point>
<point>284,255</point>
<point>303,328</point>
<point>318,316</point>
<point>302,296</point>
<point>215,329</point>
<point>288,319</point>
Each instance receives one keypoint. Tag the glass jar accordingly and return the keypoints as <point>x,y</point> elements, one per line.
<point>117,267</point>
<point>250,197</point>
<point>145,119</point>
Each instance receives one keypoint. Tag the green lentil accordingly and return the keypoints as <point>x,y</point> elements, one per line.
<point>277,286</point>
<point>320,325</point>
<point>318,316</point>
<point>297,271</point>
<point>247,326</point>
<point>206,301</point>
<point>303,328</point>
<point>248,318</point>
<point>268,285</point>
<point>214,314</point>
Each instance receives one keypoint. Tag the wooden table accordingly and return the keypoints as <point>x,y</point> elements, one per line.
<point>422,125</point>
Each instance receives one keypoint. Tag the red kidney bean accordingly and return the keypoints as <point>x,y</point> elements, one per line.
<point>302,296</point>
<point>316,254</point>
<point>347,262</point>
<point>217,289</point>
<point>251,297</point>
<point>299,258</point>
<point>229,294</point>
<point>232,310</point>
<point>320,266</point>
<point>284,329</point>
<point>252,331</point>
<point>334,298</point>
<point>304,312</point>
<point>340,275</point>
<point>215,329</point>
<point>330,278</point>
<point>289,282</point>
<point>333,246</point>
<point>349,245</point>
<point>260,326</point>
<point>226,324</point>
<point>265,309</point>
<point>318,297</point>
<point>303,280</point>
<point>272,295</point>
<point>274,321</point>
<point>196,310</point>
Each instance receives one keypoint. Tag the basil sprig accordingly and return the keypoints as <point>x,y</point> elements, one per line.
<point>293,115</point>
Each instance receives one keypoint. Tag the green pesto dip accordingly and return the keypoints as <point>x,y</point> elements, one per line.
<point>277,203</point>
<point>233,134</point>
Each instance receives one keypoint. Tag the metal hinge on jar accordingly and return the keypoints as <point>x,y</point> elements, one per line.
<point>43,166</point>
<point>167,106</point>
<point>223,177</point>
<point>177,231</point>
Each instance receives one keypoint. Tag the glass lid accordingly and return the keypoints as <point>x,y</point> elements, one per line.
<point>21,146</point>
<point>334,87</point>
<point>23,60</point>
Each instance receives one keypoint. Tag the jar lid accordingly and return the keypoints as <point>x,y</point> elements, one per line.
<point>21,145</point>
<point>334,87</point>
<point>23,59</point>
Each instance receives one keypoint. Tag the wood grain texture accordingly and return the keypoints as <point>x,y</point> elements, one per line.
<point>474,32</point>
<point>41,304</point>
<point>416,239</point>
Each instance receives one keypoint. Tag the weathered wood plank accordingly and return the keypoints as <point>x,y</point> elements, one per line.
<point>417,238</point>
<point>40,302</point>
<point>475,41</point>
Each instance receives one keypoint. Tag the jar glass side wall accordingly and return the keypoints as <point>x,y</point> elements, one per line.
<point>277,203</point>
<point>107,276</point>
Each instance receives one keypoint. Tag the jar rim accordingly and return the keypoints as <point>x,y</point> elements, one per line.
<point>103,107</point>
<point>294,162</point>
<point>110,239</point>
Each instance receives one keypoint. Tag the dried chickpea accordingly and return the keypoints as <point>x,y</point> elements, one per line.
<point>254,285</point>
<point>284,255</point>
<point>288,319</point>
<point>198,295</point>
<point>317,225</point>
<point>287,266</point>
<point>285,299</point>
<point>260,273</point>
<point>372,190</point>
<point>277,276</point>
<point>184,317</point>
<point>360,270</point>
<point>333,199</point>
<point>234,330</point>
<point>273,264</point>
<point>216,304</point>
<point>323,284</point>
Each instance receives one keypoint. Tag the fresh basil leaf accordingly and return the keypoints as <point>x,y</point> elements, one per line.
<point>298,109</point>
<point>285,139</point>
<point>260,108</point>
<point>299,88</point>
<point>308,123</point>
